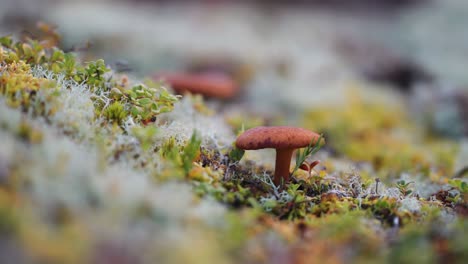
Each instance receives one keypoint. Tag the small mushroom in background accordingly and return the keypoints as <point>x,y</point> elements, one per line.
<point>282,138</point>
<point>240,71</point>
<point>209,84</point>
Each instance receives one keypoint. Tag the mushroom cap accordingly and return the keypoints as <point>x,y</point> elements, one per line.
<point>278,137</point>
<point>212,84</point>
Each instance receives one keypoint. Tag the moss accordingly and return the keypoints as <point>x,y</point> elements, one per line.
<point>183,156</point>
<point>20,87</point>
<point>382,135</point>
<point>142,101</point>
<point>145,103</point>
<point>115,113</point>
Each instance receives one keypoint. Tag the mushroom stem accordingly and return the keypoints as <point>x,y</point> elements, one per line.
<point>283,162</point>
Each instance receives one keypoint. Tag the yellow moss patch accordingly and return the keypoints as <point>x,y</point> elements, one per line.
<point>204,174</point>
<point>18,85</point>
<point>380,134</point>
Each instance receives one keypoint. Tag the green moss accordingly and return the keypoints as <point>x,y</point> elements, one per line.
<point>93,75</point>
<point>115,113</point>
<point>143,101</point>
<point>236,154</point>
<point>182,157</point>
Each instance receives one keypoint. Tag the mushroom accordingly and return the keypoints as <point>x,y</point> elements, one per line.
<point>210,84</point>
<point>282,138</point>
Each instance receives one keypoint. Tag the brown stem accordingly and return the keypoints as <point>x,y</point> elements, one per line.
<point>283,161</point>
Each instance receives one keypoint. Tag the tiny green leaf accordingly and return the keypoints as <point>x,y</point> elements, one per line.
<point>144,101</point>
<point>236,154</point>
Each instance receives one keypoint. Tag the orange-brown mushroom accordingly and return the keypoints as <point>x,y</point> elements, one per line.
<point>210,84</point>
<point>282,138</point>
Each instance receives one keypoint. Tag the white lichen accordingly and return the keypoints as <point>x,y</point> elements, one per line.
<point>410,204</point>
<point>185,119</point>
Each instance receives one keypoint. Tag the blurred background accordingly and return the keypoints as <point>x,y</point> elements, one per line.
<point>303,51</point>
